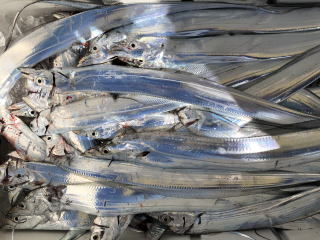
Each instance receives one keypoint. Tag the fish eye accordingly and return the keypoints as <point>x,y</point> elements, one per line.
<point>19,219</point>
<point>133,45</point>
<point>39,80</point>
<point>93,133</point>
<point>95,237</point>
<point>10,188</point>
<point>49,138</point>
<point>21,206</point>
<point>94,48</point>
<point>32,112</point>
<point>105,151</point>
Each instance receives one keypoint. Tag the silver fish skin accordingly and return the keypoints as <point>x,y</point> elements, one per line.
<point>210,22</point>
<point>65,220</point>
<point>110,228</point>
<point>75,4</point>
<point>235,74</point>
<point>302,224</point>
<point>97,111</point>
<point>175,87</point>
<point>209,124</point>
<point>315,90</point>
<point>158,52</point>
<point>102,200</point>
<point>152,122</point>
<point>290,78</point>
<point>249,154</point>
<point>303,100</point>
<point>258,3</point>
<point>78,142</point>
<point>61,34</point>
<point>189,183</point>
<point>311,167</point>
<point>262,215</point>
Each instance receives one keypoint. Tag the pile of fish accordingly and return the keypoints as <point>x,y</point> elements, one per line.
<point>184,117</point>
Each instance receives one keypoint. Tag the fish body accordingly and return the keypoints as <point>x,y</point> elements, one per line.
<point>262,215</point>
<point>293,76</point>
<point>175,87</point>
<point>92,112</point>
<point>148,123</point>
<point>191,183</point>
<point>249,154</point>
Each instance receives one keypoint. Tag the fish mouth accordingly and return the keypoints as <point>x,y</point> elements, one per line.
<point>94,59</point>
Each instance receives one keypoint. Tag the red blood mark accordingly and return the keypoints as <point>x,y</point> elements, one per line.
<point>69,97</point>
<point>86,44</point>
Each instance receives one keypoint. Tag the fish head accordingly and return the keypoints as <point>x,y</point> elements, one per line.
<point>101,133</point>
<point>39,125</point>
<point>97,232</point>
<point>98,52</point>
<point>138,52</point>
<point>16,221</point>
<point>22,110</point>
<point>14,193</point>
<point>70,57</point>
<point>14,173</point>
<point>118,46</point>
<point>34,203</point>
<point>125,150</point>
<point>37,101</point>
<point>37,80</point>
